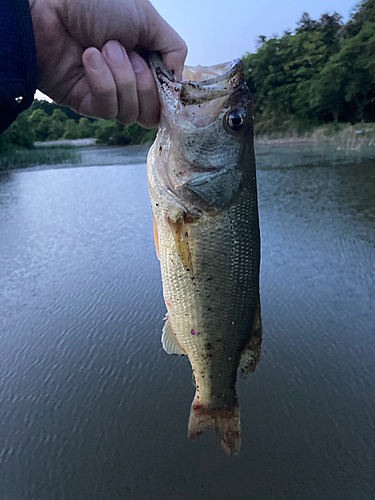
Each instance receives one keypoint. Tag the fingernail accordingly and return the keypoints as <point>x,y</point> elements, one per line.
<point>137,62</point>
<point>115,52</point>
<point>94,60</point>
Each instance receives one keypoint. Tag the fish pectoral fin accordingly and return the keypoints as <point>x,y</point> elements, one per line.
<point>180,232</point>
<point>169,341</point>
<point>252,353</point>
<point>156,236</point>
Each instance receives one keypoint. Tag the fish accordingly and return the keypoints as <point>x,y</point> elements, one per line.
<point>202,184</point>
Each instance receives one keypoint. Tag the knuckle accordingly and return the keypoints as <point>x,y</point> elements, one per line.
<point>147,85</point>
<point>149,115</point>
<point>184,50</point>
<point>107,114</point>
<point>128,81</point>
<point>105,104</point>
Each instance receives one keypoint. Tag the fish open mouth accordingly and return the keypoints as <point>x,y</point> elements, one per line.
<point>196,91</point>
<point>205,87</point>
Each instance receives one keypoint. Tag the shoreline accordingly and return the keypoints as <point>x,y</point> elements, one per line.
<point>341,136</point>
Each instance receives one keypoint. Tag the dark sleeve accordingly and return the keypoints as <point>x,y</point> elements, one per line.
<point>18,65</point>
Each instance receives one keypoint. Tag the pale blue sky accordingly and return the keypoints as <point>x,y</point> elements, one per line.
<point>222,30</point>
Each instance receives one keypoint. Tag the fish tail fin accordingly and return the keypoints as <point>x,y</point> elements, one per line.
<point>225,422</point>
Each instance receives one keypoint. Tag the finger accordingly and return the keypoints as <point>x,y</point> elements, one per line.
<point>159,36</point>
<point>125,80</point>
<point>148,100</point>
<point>175,60</point>
<point>101,100</point>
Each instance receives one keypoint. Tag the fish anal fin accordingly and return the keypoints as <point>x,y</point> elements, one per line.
<point>226,424</point>
<point>156,236</point>
<point>252,352</point>
<point>169,341</point>
<point>180,232</point>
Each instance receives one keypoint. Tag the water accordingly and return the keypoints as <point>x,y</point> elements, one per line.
<point>91,406</point>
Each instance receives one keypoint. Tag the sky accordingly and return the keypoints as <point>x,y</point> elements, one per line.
<point>222,30</point>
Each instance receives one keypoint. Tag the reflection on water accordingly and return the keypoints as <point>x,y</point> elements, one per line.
<point>92,407</point>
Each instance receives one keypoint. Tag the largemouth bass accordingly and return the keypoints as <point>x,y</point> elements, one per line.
<point>201,175</point>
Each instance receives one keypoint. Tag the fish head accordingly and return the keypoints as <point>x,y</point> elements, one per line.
<point>205,138</point>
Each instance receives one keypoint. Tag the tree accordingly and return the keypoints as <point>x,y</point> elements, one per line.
<point>71,130</point>
<point>85,128</point>
<point>39,121</point>
<point>19,135</point>
<point>49,107</point>
<point>363,12</point>
<point>57,120</point>
<point>345,86</point>
<point>104,130</point>
<point>280,73</point>
<point>306,23</point>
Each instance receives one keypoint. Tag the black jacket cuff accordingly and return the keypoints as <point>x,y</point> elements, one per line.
<point>18,63</point>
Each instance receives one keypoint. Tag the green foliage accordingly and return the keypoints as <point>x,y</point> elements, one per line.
<point>85,129</point>
<point>104,130</point>
<point>45,121</point>
<point>322,72</point>
<point>40,122</point>
<point>363,12</point>
<point>148,135</point>
<point>19,135</point>
<point>345,86</point>
<point>57,124</point>
<point>113,133</point>
<point>138,135</point>
<point>71,130</point>
<point>38,156</point>
<point>49,108</point>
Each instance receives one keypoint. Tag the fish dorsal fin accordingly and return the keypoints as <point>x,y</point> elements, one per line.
<point>251,355</point>
<point>169,341</point>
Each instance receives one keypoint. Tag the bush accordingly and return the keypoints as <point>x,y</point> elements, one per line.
<point>19,135</point>
<point>85,129</point>
<point>104,130</point>
<point>71,130</point>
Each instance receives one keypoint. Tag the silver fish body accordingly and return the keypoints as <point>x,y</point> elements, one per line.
<point>201,175</point>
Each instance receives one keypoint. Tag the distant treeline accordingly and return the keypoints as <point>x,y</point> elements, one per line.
<point>45,121</point>
<point>322,72</point>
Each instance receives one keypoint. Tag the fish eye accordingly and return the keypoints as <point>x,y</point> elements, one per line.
<point>235,120</point>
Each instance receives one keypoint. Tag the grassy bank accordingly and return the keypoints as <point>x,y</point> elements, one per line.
<point>39,156</point>
<point>340,135</point>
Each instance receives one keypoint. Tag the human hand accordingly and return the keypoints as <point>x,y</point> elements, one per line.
<point>88,56</point>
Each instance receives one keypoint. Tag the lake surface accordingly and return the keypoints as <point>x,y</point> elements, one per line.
<point>92,408</point>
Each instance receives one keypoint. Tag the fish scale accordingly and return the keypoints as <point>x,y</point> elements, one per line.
<point>208,305</point>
